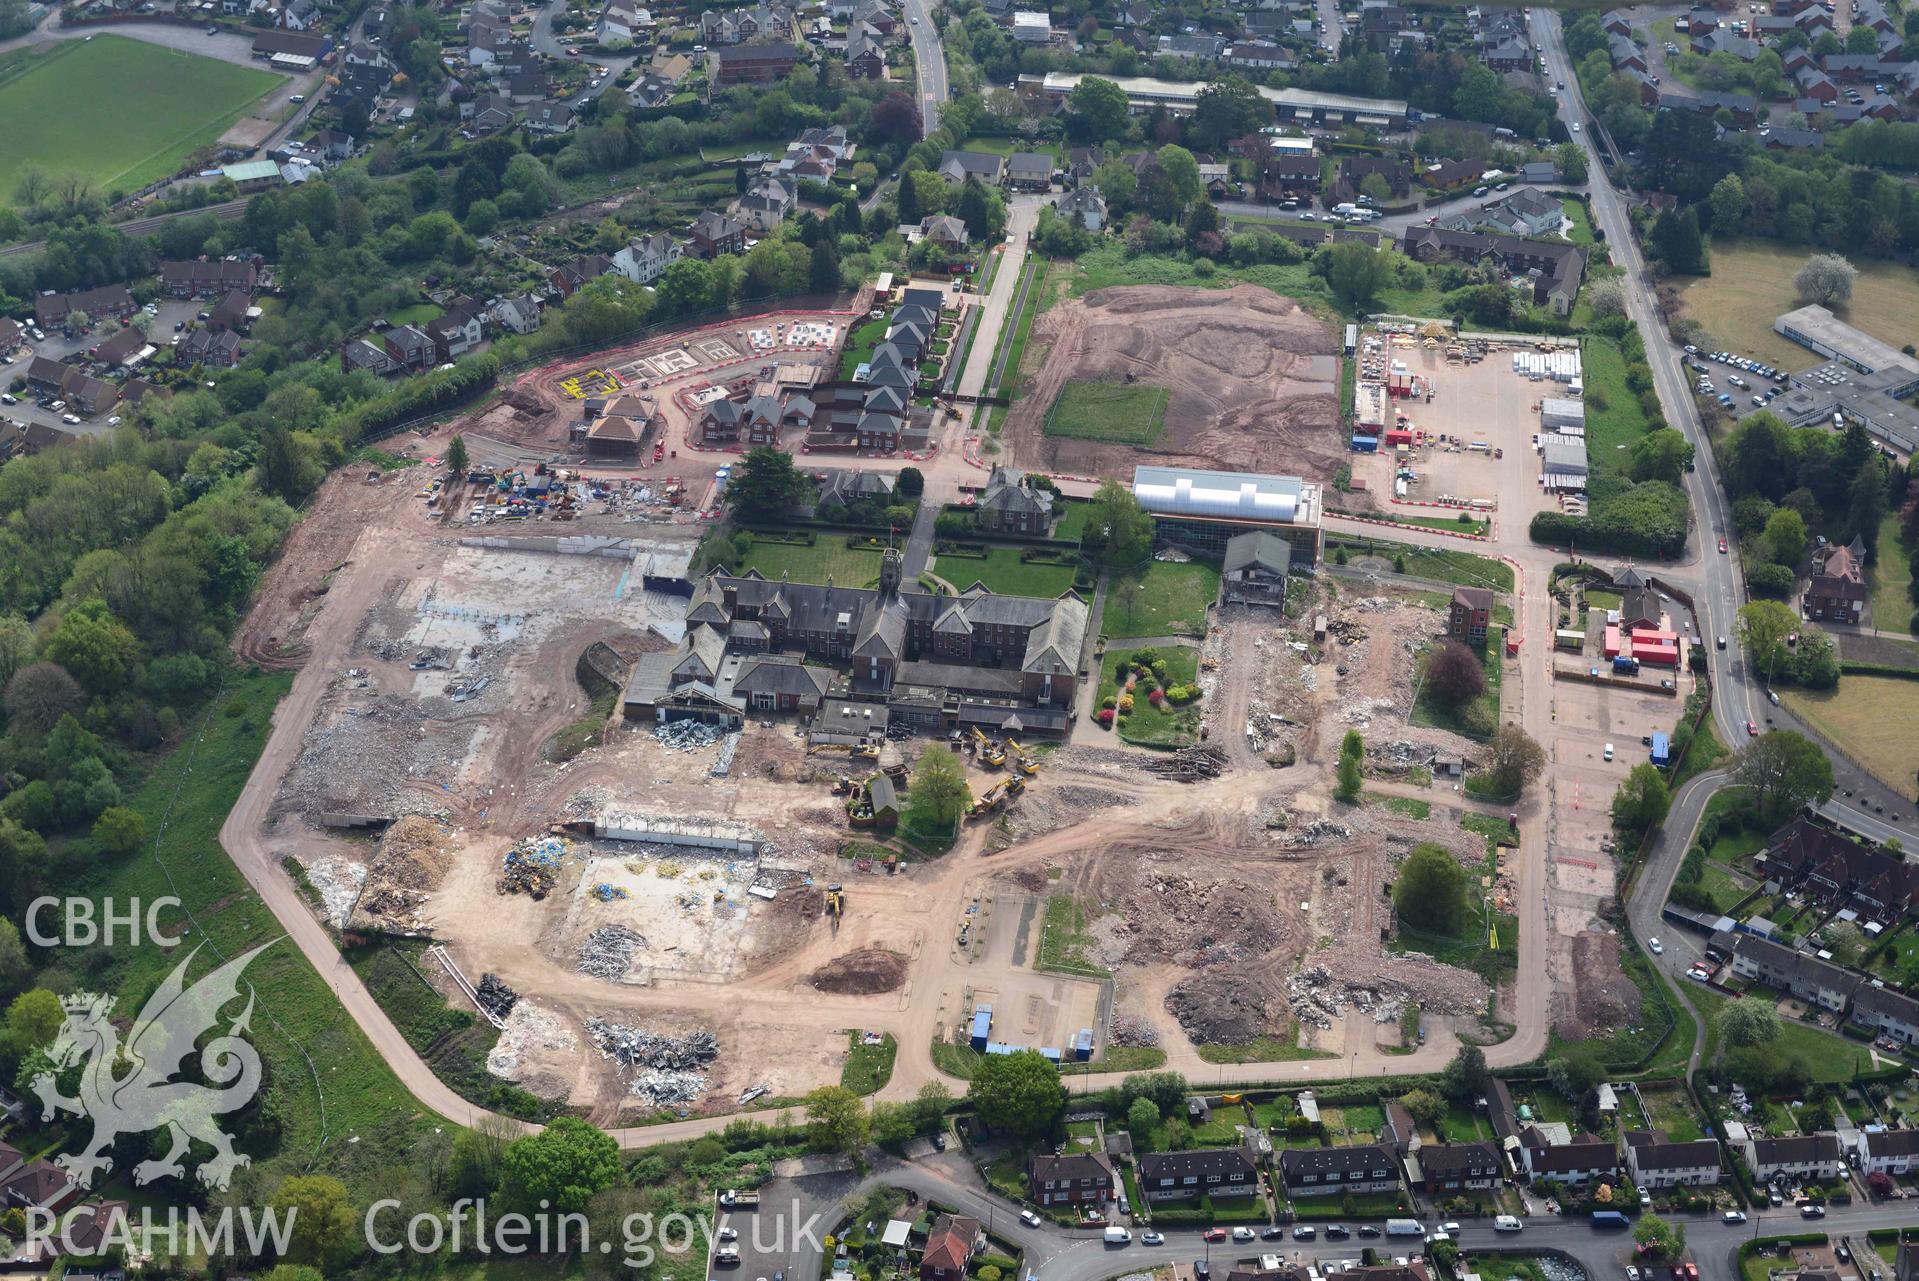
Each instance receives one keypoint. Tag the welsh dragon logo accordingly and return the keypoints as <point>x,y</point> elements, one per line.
<point>128,1089</point>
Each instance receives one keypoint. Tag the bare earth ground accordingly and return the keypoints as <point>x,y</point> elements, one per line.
<point>1243,906</point>
<point>1254,380</point>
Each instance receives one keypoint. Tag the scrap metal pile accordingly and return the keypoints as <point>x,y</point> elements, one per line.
<point>606,952</point>
<point>660,1069</point>
<point>688,736</point>
<point>495,997</point>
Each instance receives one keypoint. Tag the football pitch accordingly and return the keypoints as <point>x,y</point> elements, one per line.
<point>120,112</point>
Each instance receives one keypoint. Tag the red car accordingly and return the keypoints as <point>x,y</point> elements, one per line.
<point>1752,730</point>
<point>1722,547</point>
<point>572,53</point>
<point>1214,1234</point>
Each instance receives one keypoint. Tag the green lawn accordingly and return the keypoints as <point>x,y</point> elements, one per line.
<point>324,1082</point>
<point>1128,413</point>
<point>1614,419</point>
<point>1475,719</point>
<point>1465,568</point>
<point>830,556</point>
<point>1146,725</point>
<point>1268,1049</point>
<point>1734,843</point>
<point>1070,525</point>
<point>418,314</point>
<point>1408,805</point>
<point>1004,572</point>
<point>861,342</point>
<point>1582,227</point>
<point>1891,575</point>
<point>1831,1058</point>
<point>1063,941</point>
<point>1673,1113</point>
<point>118,112</point>
<point>868,1067</point>
<point>1165,600</point>
<point>1751,283</point>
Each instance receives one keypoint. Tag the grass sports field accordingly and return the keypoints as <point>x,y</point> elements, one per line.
<point>1126,413</point>
<point>121,112</point>
<point>1871,717</point>
<point>1751,283</point>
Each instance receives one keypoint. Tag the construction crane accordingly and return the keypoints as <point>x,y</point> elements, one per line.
<point>988,753</point>
<point>1024,763</point>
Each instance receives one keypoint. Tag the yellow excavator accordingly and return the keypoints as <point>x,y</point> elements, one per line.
<point>1022,762</point>
<point>986,751</point>
<point>996,796</point>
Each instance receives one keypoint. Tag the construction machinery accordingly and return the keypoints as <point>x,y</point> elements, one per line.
<point>986,751</point>
<point>996,796</point>
<point>835,904</point>
<point>1022,762</point>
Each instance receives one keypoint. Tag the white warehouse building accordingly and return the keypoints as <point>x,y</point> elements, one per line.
<point>1201,510</point>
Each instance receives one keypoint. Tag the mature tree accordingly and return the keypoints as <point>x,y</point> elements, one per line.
<point>1676,241</point>
<point>119,831</point>
<point>930,1104</point>
<point>982,210</point>
<point>1728,204</point>
<point>14,965</point>
<point>456,459</point>
<point>1749,1021</point>
<point>1762,627</point>
<point>1660,1239</point>
<point>837,1118</point>
<point>1430,891</point>
<point>1572,162</point>
<point>765,483</point>
<point>1017,1095</point>
<point>1181,171</point>
<point>1642,800</point>
<point>1862,39</point>
<point>938,794</point>
<point>910,483</point>
<point>1354,271</point>
<point>1349,780</point>
<point>1142,1119</point>
<point>1228,108</point>
<point>324,1226</point>
<point>1426,1107</point>
<point>34,1018</point>
<point>1661,455</point>
<point>1516,758</point>
<point>1466,1076</point>
<point>1826,279</point>
<point>1866,502</point>
<point>823,271</point>
<point>16,646</point>
<point>1166,1090</point>
<point>1454,674</point>
<point>1096,110</point>
<point>564,1165</point>
<point>1577,1072</point>
<point>895,117</point>
<point>1785,770</point>
<point>1118,531</point>
<point>97,648</point>
<point>40,694</point>
<point>1607,297</point>
<point>1786,537</point>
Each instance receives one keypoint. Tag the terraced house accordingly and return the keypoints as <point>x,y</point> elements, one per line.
<point>1657,1162</point>
<point>1071,1178</point>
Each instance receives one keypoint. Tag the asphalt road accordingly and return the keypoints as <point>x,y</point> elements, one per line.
<point>1715,580</point>
<point>929,58</point>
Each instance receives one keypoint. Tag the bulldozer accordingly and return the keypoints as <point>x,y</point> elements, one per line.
<point>1022,762</point>
<point>987,752</point>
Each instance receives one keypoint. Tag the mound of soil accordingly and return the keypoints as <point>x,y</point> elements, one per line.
<point>863,973</point>
<point>1226,1007</point>
<point>1604,999</point>
<point>1253,380</point>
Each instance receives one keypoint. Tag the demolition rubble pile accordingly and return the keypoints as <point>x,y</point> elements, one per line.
<point>606,952</point>
<point>533,866</point>
<point>1190,764</point>
<point>412,859</point>
<point>662,1070</point>
<point>687,736</point>
<point>1319,993</point>
<point>1130,1029</point>
<point>1318,832</point>
<point>494,996</point>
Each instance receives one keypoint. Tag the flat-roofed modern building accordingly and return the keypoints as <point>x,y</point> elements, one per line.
<point>1816,327</point>
<point>1293,106</point>
<point>1203,510</point>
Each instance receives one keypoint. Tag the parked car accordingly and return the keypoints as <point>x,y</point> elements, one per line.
<point>1812,1211</point>
<point>1655,947</point>
<point>1242,1233</point>
<point>1030,1219</point>
<point>1752,730</point>
<point>1151,1238</point>
<point>1202,1270</point>
<point>1273,1233</point>
<point>1368,1230</point>
<point>1303,1232</point>
<point>1337,1232</point>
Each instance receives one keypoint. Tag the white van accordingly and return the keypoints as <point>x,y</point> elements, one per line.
<point>1118,1236</point>
<point>1506,1223</point>
<point>1608,751</point>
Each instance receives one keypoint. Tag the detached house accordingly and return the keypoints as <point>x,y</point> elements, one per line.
<point>1083,206</point>
<point>714,234</point>
<point>1656,1162</point>
<point>1011,504</point>
<point>1838,591</point>
<point>1470,615</point>
<point>645,260</point>
<point>1213,1172</point>
<point>457,330</point>
<point>1370,1167</point>
<point>1072,1178</point>
<point>766,204</point>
